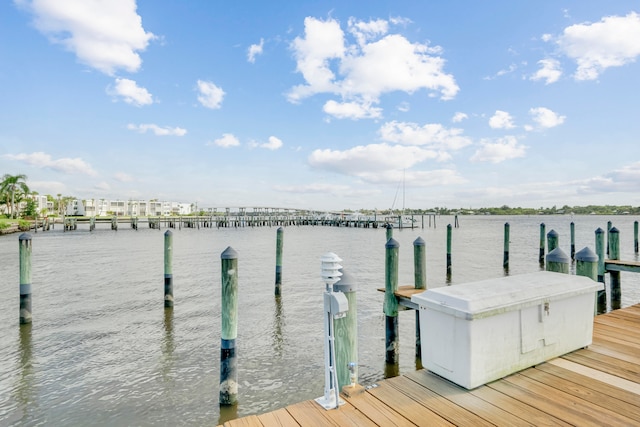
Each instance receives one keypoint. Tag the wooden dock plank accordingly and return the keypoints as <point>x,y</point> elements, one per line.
<point>378,411</point>
<point>516,407</point>
<point>248,421</point>
<point>605,364</point>
<point>587,409</point>
<point>461,397</point>
<point>411,409</point>
<point>436,403</point>
<point>279,418</point>
<point>577,386</point>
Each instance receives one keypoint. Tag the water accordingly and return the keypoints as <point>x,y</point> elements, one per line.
<point>102,350</point>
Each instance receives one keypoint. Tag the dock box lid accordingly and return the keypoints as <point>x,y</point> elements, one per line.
<point>493,296</point>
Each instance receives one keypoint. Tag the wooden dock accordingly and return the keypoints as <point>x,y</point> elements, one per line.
<point>596,386</point>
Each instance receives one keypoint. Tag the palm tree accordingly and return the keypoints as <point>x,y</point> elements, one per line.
<point>9,185</point>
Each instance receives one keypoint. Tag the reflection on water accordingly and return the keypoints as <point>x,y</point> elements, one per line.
<point>103,348</point>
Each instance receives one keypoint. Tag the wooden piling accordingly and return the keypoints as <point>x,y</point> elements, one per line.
<point>25,278</point>
<point>587,266</point>
<point>346,330</point>
<point>614,253</point>
<point>552,240</point>
<point>558,261</point>
<point>505,258</point>
<point>279,245</point>
<point>229,314</point>
<point>635,237</point>
<point>600,252</point>
<point>392,339</point>
<point>573,240</point>
<point>389,231</point>
<point>420,282</point>
<point>542,243</point>
<point>609,225</point>
<point>448,250</point>
<point>168,269</point>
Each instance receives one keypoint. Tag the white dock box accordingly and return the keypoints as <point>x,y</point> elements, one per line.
<point>478,332</point>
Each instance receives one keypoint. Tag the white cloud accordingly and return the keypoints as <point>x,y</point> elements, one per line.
<point>122,177</point>
<point>496,152</point>
<point>102,186</point>
<point>359,73</point>
<point>227,140</point>
<point>432,135</point>
<point>458,117</point>
<point>367,160</point>
<point>131,93</point>
<point>501,120</point>
<point>43,160</point>
<point>48,187</point>
<point>545,118</point>
<point>255,50</point>
<point>351,110</point>
<point>550,71</point>
<point>612,42</point>
<point>157,130</point>
<point>210,96</point>
<point>106,35</point>
<point>273,144</point>
<point>504,71</point>
<point>626,179</point>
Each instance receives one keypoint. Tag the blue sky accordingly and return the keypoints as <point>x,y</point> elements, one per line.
<point>323,104</point>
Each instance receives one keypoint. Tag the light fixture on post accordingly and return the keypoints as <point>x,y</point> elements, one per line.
<point>335,307</point>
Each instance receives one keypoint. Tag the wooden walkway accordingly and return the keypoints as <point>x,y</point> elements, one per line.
<point>589,387</point>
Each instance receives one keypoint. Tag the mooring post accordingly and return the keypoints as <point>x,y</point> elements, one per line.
<point>25,278</point>
<point>635,237</point>
<point>552,240</point>
<point>614,254</point>
<point>229,309</point>
<point>391,302</point>
<point>346,332</point>
<point>609,225</point>
<point>558,261</point>
<point>600,252</point>
<point>168,268</point>
<point>448,250</point>
<point>505,258</point>
<point>573,240</point>
<point>420,282</point>
<point>279,244</point>
<point>542,241</point>
<point>587,266</point>
<point>389,231</point>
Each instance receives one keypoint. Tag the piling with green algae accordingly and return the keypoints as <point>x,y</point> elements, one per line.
<point>587,266</point>
<point>279,246</point>
<point>635,237</point>
<point>346,330</point>
<point>168,268</point>
<point>600,252</point>
<point>505,258</point>
<point>25,278</point>
<point>573,240</point>
<point>614,254</point>
<point>229,314</point>
<point>552,240</point>
<point>420,282</point>
<point>542,241</point>
<point>390,307</point>
<point>558,261</point>
<point>448,250</point>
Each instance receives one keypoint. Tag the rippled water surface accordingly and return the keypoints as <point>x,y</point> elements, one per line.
<point>102,350</point>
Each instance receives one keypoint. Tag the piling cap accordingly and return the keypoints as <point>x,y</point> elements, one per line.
<point>558,255</point>
<point>25,236</point>
<point>168,233</point>
<point>599,231</point>
<point>614,230</point>
<point>552,233</point>
<point>229,253</point>
<point>392,243</point>
<point>586,255</point>
<point>347,283</point>
<point>418,242</point>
